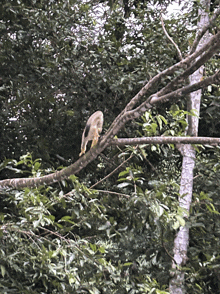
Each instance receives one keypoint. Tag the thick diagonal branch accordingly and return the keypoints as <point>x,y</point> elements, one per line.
<point>126,115</point>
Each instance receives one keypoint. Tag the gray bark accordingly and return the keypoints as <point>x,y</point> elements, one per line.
<point>181,241</point>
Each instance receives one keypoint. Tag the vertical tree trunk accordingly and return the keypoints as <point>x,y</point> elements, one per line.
<point>186,185</point>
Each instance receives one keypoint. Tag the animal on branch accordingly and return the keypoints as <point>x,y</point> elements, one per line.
<point>92,130</point>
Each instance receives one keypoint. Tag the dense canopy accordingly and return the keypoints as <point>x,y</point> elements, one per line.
<point>110,228</point>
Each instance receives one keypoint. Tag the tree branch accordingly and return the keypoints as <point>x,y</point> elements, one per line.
<point>165,140</point>
<point>186,90</point>
<point>171,70</point>
<point>171,40</point>
<point>197,64</point>
<point>138,111</point>
<point>129,114</point>
<point>204,30</point>
<point>211,47</point>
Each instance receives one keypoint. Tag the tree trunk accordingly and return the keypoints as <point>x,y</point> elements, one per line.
<point>186,185</point>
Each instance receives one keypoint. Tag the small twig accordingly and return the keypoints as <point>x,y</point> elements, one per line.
<point>111,173</point>
<point>112,192</point>
<point>167,252</point>
<point>171,40</point>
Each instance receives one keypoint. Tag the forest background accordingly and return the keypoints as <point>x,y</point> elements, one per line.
<point>111,227</point>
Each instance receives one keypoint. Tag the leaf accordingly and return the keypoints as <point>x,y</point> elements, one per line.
<point>123,185</point>
<point>123,173</point>
<point>127,263</point>
<point>93,247</point>
<point>105,226</point>
<point>180,220</point>
<point>37,166</point>
<point>3,270</point>
<point>176,225</point>
<point>102,249</point>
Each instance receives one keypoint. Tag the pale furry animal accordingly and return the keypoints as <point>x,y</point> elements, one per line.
<point>92,130</point>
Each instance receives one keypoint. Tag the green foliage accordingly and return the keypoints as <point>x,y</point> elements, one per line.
<point>155,124</point>
<point>61,61</point>
<point>67,57</point>
<point>92,241</point>
<point>58,242</point>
